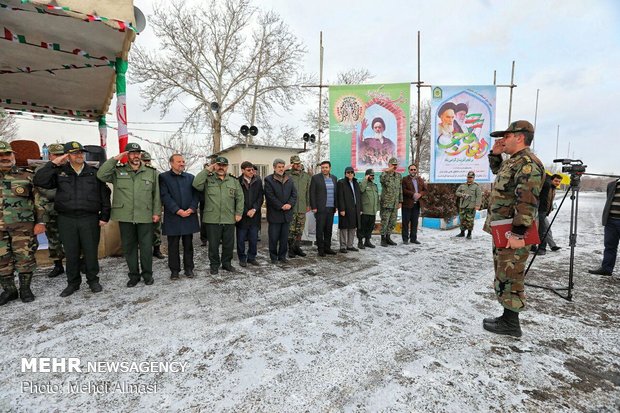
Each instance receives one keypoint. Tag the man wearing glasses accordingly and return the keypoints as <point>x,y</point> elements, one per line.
<point>515,196</point>
<point>414,188</point>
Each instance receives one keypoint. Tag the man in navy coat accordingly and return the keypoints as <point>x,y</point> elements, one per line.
<point>280,196</point>
<point>180,202</point>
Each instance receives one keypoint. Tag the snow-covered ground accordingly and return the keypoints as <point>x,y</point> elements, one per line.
<point>389,329</point>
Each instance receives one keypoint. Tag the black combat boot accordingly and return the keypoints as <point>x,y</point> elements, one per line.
<point>507,324</point>
<point>157,253</point>
<point>10,291</point>
<point>461,234</point>
<point>368,243</point>
<point>291,248</point>
<point>360,244</point>
<point>469,234</point>
<point>297,247</point>
<point>384,242</point>
<point>25,293</point>
<point>389,240</point>
<point>57,270</point>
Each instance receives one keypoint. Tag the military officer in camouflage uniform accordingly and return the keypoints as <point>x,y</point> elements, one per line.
<point>223,207</point>
<point>391,201</point>
<point>470,199</point>
<point>146,158</point>
<point>301,180</point>
<point>22,218</point>
<point>136,206</point>
<point>515,196</point>
<point>55,249</point>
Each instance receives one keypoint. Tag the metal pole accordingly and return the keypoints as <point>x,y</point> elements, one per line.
<point>557,141</point>
<point>536,115</point>
<point>494,77</point>
<point>512,85</point>
<point>418,135</point>
<point>320,126</point>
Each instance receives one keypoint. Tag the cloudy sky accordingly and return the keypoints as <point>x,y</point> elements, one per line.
<point>567,49</point>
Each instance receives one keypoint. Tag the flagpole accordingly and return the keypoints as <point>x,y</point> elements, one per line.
<point>535,115</point>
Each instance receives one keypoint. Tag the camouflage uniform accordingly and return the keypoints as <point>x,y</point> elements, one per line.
<point>515,195</point>
<point>470,198</point>
<point>55,249</point>
<point>21,207</point>
<point>301,180</point>
<point>391,196</point>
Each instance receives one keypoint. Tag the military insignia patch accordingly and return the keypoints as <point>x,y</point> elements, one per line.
<point>20,190</point>
<point>231,191</point>
<point>527,169</point>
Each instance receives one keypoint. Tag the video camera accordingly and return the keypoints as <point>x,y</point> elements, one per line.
<point>572,166</point>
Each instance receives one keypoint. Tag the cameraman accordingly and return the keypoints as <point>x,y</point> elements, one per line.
<point>545,206</point>
<point>611,222</point>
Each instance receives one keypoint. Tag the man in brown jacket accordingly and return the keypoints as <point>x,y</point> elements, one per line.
<point>414,189</point>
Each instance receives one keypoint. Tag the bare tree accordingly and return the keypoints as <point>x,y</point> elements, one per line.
<point>194,153</point>
<point>424,137</point>
<point>227,52</point>
<point>8,126</point>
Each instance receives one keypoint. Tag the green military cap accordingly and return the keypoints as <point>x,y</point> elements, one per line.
<point>74,146</point>
<point>295,159</point>
<point>146,156</point>
<point>56,149</point>
<point>471,174</point>
<point>393,161</point>
<point>5,147</point>
<point>516,126</point>
<point>221,160</point>
<point>133,147</point>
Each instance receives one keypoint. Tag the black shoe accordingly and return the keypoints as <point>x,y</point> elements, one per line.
<point>174,275</point>
<point>291,249</point>
<point>157,254</point>
<point>368,243</point>
<point>243,263</point>
<point>321,253</point>
<point>254,262</point>
<point>133,282</point>
<point>556,248</point>
<point>274,261</point>
<point>383,241</point>
<point>461,234</point>
<point>214,271</point>
<point>283,260</point>
<point>352,249</point>
<point>56,271</point>
<point>541,252</point>
<point>330,251</point>
<point>5,297</point>
<point>405,242</point>
<point>96,287</point>
<point>469,235</point>
<point>599,271</point>
<point>189,273</point>
<point>228,267</point>
<point>69,290</point>
<point>416,242</point>
<point>343,250</point>
<point>149,281</point>
<point>360,245</point>
<point>389,241</point>
<point>299,251</point>
<point>504,327</point>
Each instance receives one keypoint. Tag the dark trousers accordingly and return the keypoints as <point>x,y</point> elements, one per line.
<point>324,224</point>
<point>410,217</point>
<point>367,224</point>
<point>134,238</point>
<point>278,240</point>
<point>203,232</point>
<point>612,236</point>
<point>542,230</point>
<point>174,261</point>
<point>80,235</point>
<point>220,234</point>
<point>249,234</point>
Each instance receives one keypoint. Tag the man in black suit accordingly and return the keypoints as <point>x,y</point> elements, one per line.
<point>323,204</point>
<point>611,222</point>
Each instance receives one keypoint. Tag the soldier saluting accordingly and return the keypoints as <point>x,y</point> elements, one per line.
<point>22,218</point>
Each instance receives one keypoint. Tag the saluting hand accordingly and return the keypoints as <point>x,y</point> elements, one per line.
<point>61,159</point>
<point>121,156</point>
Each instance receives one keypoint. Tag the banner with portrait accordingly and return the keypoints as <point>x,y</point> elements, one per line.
<point>368,125</point>
<point>462,117</point>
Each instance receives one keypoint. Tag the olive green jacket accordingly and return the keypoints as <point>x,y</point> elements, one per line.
<point>135,196</point>
<point>370,197</point>
<point>223,197</point>
<point>302,185</point>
